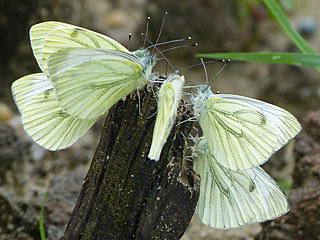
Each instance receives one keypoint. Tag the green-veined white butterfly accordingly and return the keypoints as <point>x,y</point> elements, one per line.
<point>88,73</point>
<point>168,102</point>
<point>242,132</point>
<point>230,199</point>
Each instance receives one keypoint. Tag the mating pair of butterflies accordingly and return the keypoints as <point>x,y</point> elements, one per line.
<point>240,134</point>
<point>84,73</point>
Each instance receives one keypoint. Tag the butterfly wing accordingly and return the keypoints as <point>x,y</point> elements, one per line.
<point>88,81</point>
<point>29,87</point>
<point>230,199</point>
<point>287,125</point>
<point>50,37</point>
<point>169,98</point>
<point>42,117</point>
<point>239,136</point>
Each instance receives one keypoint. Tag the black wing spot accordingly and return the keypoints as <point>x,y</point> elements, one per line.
<point>75,32</point>
<point>252,187</point>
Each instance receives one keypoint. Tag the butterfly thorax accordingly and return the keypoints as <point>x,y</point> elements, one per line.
<point>147,60</point>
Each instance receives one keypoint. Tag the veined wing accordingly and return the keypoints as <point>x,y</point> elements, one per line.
<point>169,99</point>
<point>42,117</point>
<point>88,81</point>
<point>239,136</point>
<point>230,199</point>
<point>49,37</point>
<point>28,87</point>
<point>287,125</point>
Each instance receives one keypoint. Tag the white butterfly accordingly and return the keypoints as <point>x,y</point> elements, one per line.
<point>85,73</point>
<point>242,132</point>
<point>230,199</point>
<point>169,99</point>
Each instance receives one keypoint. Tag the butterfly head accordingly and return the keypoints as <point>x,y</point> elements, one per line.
<point>145,57</point>
<point>204,92</point>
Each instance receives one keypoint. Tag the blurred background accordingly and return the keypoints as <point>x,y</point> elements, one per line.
<point>27,171</point>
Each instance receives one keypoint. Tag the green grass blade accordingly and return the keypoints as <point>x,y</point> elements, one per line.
<point>41,228</point>
<point>298,59</point>
<point>282,19</point>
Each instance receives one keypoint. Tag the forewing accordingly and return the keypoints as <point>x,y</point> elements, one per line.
<point>49,37</point>
<point>88,82</point>
<point>287,125</point>
<point>38,34</point>
<point>169,99</point>
<point>239,136</point>
<point>42,117</point>
<point>230,199</point>
<point>164,121</point>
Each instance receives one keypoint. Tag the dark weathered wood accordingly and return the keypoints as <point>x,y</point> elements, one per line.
<point>127,196</point>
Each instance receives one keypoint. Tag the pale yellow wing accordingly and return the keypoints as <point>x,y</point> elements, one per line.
<point>169,99</point>
<point>239,136</point>
<point>230,199</point>
<point>89,81</point>
<point>42,117</point>
<point>287,125</point>
<point>49,37</point>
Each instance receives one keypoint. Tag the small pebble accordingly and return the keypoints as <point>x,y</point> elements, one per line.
<point>307,26</point>
<point>5,112</point>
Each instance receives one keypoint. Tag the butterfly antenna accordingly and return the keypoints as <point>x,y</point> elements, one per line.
<point>162,24</point>
<point>171,41</point>
<point>199,64</point>
<point>205,70</point>
<point>129,41</point>
<point>142,34</point>
<point>218,73</point>
<point>181,46</point>
<point>147,31</point>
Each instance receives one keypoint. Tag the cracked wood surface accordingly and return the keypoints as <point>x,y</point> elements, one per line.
<point>127,196</point>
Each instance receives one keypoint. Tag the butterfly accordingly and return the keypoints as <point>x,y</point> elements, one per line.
<point>84,74</point>
<point>242,132</point>
<point>230,199</point>
<point>169,99</point>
